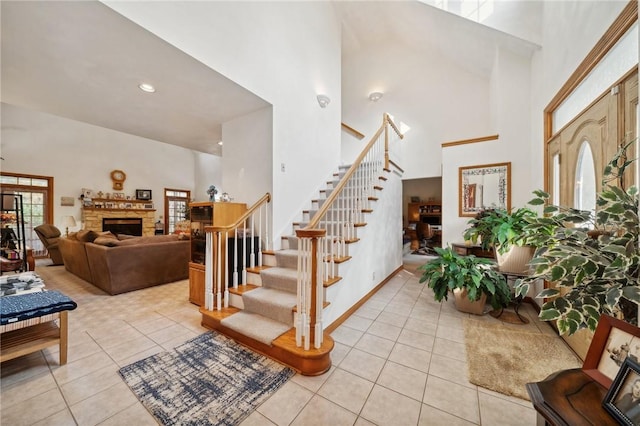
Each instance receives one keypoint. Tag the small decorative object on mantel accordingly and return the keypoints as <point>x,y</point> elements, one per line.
<point>225,197</point>
<point>100,194</point>
<point>143,194</point>
<point>212,191</point>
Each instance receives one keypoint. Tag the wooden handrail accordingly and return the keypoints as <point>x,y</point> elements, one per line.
<point>393,126</point>
<point>338,189</point>
<point>473,140</point>
<point>265,199</point>
<point>353,131</point>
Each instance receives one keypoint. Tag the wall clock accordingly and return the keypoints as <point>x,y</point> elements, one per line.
<point>118,177</point>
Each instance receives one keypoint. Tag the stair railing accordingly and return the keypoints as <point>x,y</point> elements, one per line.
<point>322,244</point>
<point>250,234</point>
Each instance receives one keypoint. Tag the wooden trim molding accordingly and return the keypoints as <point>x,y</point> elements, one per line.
<point>351,130</point>
<point>473,140</point>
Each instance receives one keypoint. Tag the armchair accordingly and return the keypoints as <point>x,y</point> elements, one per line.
<point>49,236</point>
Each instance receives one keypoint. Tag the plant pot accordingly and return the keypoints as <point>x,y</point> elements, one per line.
<point>515,260</point>
<point>463,304</point>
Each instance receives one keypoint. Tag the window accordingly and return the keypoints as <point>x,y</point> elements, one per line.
<point>176,208</point>
<point>37,203</point>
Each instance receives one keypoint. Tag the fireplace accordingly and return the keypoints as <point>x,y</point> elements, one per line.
<point>124,225</point>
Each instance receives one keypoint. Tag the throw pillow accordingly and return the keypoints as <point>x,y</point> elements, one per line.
<point>86,236</point>
<point>106,241</point>
<point>107,234</point>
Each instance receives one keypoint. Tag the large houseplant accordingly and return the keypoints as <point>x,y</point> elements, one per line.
<point>594,260</point>
<point>477,276</point>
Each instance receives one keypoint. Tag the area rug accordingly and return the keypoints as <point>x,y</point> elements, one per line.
<point>209,380</point>
<point>503,359</point>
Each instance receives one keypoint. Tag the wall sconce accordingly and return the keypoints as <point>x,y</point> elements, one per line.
<point>323,101</point>
<point>375,96</point>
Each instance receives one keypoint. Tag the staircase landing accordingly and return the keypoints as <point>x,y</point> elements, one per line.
<point>283,349</point>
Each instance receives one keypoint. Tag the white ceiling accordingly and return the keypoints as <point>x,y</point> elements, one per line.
<point>84,61</point>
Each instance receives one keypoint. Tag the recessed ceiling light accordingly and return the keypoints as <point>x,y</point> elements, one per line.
<point>146,87</point>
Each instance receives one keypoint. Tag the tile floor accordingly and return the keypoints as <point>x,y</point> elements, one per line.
<point>399,360</point>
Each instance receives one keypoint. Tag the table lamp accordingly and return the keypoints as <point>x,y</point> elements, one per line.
<point>68,222</point>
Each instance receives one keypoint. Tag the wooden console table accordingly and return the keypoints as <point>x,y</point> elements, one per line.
<point>466,249</point>
<point>33,335</point>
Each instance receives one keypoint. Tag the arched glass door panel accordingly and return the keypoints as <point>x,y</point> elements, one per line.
<point>585,183</point>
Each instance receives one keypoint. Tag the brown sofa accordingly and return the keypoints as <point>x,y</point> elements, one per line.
<point>118,266</point>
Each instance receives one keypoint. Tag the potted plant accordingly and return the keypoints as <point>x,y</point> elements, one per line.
<point>593,259</point>
<point>472,278</point>
<point>507,234</point>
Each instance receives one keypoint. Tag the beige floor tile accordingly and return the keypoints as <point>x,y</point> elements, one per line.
<point>450,349</point>
<point>26,389</point>
<point>392,319</point>
<point>386,407</point>
<point>23,368</point>
<point>141,355</point>
<point>454,334</point>
<point>150,325</point>
<point>375,345</point>
<point>179,340</point>
<point>129,348</point>
<point>169,333</point>
<point>422,326</point>
<point>508,398</point>
<point>358,323</point>
<point>321,412</point>
<point>346,335</point>
<point>34,409</point>
<point>91,384</point>
<point>450,369</point>
<point>495,411</point>
<point>74,353</point>
<point>409,356</point>
<point>367,312</point>
<point>376,304</point>
<point>363,422</point>
<point>453,398</point>
<point>338,353</point>
<point>347,390</point>
<point>404,380</point>
<point>417,340</point>
<point>387,331</point>
<point>103,405</point>
<point>430,416</point>
<point>313,383</point>
<point>61,418</point>
<point>403,309</point>
<point>82,367</point>
<point>134,415</point>
<point>363,364</point>
<point>283,406</point>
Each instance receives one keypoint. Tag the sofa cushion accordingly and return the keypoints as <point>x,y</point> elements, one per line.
<point>86,236</point>
<point>106,241</point>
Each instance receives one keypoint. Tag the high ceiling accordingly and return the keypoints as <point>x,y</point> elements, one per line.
<point>84,61</point>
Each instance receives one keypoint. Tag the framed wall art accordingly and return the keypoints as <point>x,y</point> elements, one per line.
<point>483,187</point>
<point>143,194</point>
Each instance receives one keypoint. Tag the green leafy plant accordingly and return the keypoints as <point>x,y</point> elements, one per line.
<point>450,271</point>
<point>500,229</point>
<point>593,259</point>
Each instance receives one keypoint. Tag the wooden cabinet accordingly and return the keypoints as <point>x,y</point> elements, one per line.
<point>202,214</point>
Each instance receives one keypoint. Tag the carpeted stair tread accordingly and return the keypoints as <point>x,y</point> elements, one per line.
<point>287,258</point>
<point>284,279</point>
<point>256,326</point>
<point>275,304</point>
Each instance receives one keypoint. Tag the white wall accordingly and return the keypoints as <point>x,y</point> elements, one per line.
<point>208,171</point>
<point>439,100</point>
<point>248,154</point>
<point>80,155</point>
<point>284,52</point>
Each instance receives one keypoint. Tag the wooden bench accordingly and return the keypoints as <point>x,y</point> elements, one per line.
<point>25,337</point>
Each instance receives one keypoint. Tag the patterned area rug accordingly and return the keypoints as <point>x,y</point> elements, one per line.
<point>209,380</point>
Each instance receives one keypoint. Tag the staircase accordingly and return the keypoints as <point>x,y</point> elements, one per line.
<point>278,311</point>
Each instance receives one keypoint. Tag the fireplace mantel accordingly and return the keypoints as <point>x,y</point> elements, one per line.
<point>92,218</point>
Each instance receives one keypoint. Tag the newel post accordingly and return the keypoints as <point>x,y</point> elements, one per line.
<point>385,123</point>
<point>310,291</point>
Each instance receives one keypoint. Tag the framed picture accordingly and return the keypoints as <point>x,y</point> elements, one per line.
<point>98,204</point>
<point>67,201</point>
<point>484,187</point>
<point>148,205</point>
<point>110,205</point>
<point>143,194</point>
<point>613,341</point>
<point>622,400</point>
<point>415,199</point>
<point>118,195</point>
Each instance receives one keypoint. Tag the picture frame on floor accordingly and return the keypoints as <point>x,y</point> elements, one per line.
<point>622,400</point>
<point>613,341</point>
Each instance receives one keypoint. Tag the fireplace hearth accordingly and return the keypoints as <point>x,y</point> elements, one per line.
<point>124,225</point>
